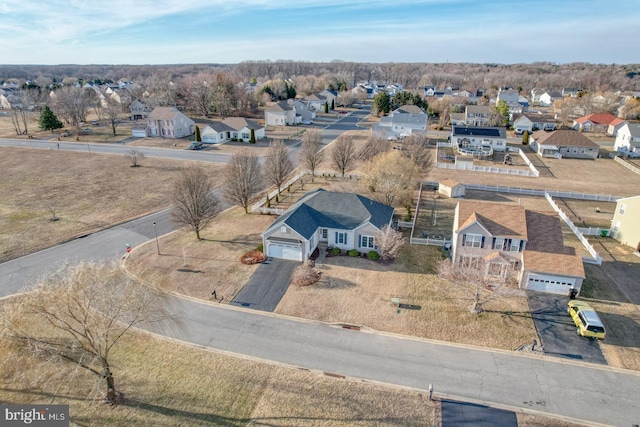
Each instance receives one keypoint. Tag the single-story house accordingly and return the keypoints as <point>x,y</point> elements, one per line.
<point>167,122</point>
<point>478,138</point>
<point>216,133</point>
<point>599,122</point>
<point>232,129</point>
<point>506,241</point>
<point>451,188</point>
<point>339,220</point>
<point>281,113</point>
<point>563,143</point>
<point>532,122</point>
<point>457,119</point>
<point>628,139</point>
<point>625,226</point>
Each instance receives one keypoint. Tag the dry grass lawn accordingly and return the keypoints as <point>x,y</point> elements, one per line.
<point>89,192</point>
<point>169,384</point>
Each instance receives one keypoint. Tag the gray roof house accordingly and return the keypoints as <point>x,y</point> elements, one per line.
<point>406,120</point>
<point>339,220</point>
<point>280,114</point>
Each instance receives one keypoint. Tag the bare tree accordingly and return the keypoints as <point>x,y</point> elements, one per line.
<point>377,144</point>
<point>21,113</point>
<point>389,242</point>
<point>135,156</point>
<point>277,164</point>
<point>416,148</point>
<point>223,94</point>
<point>473,278</point>
<point>344,154</point>
<point>79,314</point>
<point>311,154</point>
<point>71,104</point>
<point>113,111</point>
<point>391,177</point>
<point>195,203</point>
<point>198,92</point>
<point>242,178</point>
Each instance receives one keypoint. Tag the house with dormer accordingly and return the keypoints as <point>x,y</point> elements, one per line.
<point>508,242</point>
<point>326,218</point>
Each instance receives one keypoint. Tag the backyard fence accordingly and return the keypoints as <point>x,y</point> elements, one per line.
<point>532,171</point>
<point>627,165</point>
<point>532,192</point>
<point>260,205</point>
<point>596,258</point>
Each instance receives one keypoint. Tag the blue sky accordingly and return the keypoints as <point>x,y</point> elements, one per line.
<point>222,31</point>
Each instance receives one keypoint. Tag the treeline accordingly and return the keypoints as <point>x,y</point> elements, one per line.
<point>585,76</point>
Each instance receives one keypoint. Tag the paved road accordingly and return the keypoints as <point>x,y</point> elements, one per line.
<point>118,149</point>
<point>581,391</point>
<point>557,330</point>
<point>267,285</point>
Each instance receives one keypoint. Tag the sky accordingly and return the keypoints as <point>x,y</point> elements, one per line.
<point>229,32</point>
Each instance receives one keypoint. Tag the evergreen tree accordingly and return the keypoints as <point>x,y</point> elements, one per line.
<point>326,107</point>
<point>198,137</point>
<point>525,138</point>
<point>48,120</point>
<point>252,139</point>
<point>381,104</point>
<point>333,104</point>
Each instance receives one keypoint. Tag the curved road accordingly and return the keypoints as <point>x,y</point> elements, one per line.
<point>576,390</point>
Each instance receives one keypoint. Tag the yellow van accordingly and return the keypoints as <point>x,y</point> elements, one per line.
<point>586,319</point>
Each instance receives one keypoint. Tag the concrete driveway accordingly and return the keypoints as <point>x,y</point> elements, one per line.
<point>557,330</point>
<point>267,285</point>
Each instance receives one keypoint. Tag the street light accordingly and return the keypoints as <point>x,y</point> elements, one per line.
<point>156,233</point>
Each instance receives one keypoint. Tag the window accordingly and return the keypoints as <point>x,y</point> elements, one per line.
<point>514,246</point>
<point>474,240</point>
<point>498,243</point>
<point>341,238</point>
<point>283,229</point>
<point>245,136</point>
<point>623,208</point>
<point>470,262</point>
<point>324,233</point>
<point>616,226</point>
<point>367,242</point>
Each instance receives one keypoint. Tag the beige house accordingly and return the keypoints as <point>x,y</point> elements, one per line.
<point>509,242</point>
<point>168,122</point>
<point>451,188</point>
<point>625,226</point>
<point>563,143</point>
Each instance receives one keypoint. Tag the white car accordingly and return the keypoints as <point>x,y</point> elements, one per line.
<point>307,122</point>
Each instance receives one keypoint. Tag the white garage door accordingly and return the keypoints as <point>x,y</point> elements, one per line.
<point>551,284</point>
<point>278,250</point>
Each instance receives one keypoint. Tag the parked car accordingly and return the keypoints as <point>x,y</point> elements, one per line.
<point>195,145</point>
<point>586,319</point>
<point>307,122</point>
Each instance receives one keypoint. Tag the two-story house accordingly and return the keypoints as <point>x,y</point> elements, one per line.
<point>477,138</point>
<point>628,140</point>
<point>139,110</point>
<point>404,121</point>
<point>477,115</point>
<point>625,226</point>
<point>168,122</point>
<point>281,113</point>
<point>508,242</point>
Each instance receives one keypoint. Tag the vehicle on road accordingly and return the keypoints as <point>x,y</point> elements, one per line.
<point>307,122</point>
<point>195,145</point>
<point>586,319</point>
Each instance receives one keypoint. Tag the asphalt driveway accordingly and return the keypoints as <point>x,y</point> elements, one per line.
<point>463,414</point>
<point>557,330</point>
<point>267,285</point>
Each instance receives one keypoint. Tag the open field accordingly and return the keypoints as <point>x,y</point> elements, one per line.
<point>89,192</point>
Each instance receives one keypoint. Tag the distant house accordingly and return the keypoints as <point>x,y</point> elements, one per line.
<point>477,115</point>
<point>281,113</point>
<point>479,137</point>
<point>139,110</point>
<point>572,92</point>
<point>625,226</point>
<point>508,95</point>
<point>457,119</point>
<point>505,240</point>
<point>168,122</point>
<point>303,110</point>
<point>598,122</point>
<point>451,188</point>
<point>331,96</point>
<point>563,143</point>
<point>230,129</point>
<point>547,98</point>
<point>404,121</point>
<point>316,102</point>
<point>628,139</point>
<point>536,93</point>
<point>338,220</point>
<point>532,122</point>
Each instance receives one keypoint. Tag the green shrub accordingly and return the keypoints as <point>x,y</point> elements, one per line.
<point>354,253</point>
<point>261,247</point>
<point>336,251</point>
<point>373,255</point>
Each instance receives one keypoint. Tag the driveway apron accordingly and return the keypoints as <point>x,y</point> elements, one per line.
<point>557,330</point>
<point>267,285</point>
<point>462,414</point>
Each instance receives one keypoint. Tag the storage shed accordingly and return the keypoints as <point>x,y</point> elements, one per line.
<point>451,188</point>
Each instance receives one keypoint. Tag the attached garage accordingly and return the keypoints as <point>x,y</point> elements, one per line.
<point>288,251</point>
<point>550,284</point>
